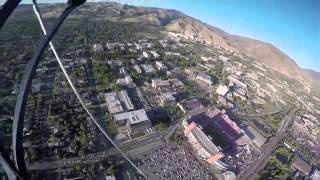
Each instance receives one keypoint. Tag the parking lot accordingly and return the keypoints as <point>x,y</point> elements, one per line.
<point>172,162</point>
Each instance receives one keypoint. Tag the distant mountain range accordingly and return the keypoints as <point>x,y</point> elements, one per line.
<point>174,20</point>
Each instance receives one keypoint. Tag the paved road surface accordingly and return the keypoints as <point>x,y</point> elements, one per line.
<point>130,148</point>
<point>268,148</point>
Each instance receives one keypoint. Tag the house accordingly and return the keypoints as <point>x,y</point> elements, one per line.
<point>113,103</point>
<point>97,48</point>
<point>133,121</point>
<point>160,66</point>
<point>145,54</point>
<point>138,69</point>
<point>123,71</point>
<point>115,63</point>
<point>124,81</point>
<point>241,93</point>
<point>203,77</point>
<point>155,54</point>
<point>148,68</point>
<point>222,90</point>
<point>138,46</point>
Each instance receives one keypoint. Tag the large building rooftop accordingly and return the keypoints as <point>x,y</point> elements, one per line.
<point>204,141</point>
<point>132,117</point>
<point>113,103</point>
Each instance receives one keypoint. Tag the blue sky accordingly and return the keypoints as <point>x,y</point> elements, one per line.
<point>291,25</point>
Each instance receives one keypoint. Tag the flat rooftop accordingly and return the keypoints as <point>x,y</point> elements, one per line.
<point>133,117</point>
<point>113,103</point>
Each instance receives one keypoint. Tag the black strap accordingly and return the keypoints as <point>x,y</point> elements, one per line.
<point>7,9</point>
<point>17,136</point>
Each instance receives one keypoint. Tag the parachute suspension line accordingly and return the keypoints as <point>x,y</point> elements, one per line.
<point>36,11</point>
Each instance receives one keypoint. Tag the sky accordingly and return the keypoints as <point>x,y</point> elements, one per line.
<point>291,25</point>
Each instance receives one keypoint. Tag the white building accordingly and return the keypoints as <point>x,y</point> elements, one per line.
<point>145,54</point>
<point>132,121</point>
<point>124,81</point>
<point>155,54</point>
<point>138,69</point>
<point>160,66</point>
<point>148,68</point>
<point>113,103</point>
<point>222,90</point>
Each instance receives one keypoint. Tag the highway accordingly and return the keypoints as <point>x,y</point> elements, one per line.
<point>268,149</point>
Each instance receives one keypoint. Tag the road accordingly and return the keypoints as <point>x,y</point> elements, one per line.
<point>130,148</point>
<point>170,130</point>
<point>268,148</point>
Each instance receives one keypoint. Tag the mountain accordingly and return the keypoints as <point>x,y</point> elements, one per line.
<point>267,54</point>
<point>194,27</point>
<point>173,20</point>
<point>261,51</point>
<point>314,78</point>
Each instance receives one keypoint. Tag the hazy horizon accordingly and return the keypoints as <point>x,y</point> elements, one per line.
<point>290,26</point>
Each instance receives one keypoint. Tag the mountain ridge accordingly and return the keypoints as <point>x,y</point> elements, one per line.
<point>174,20</point>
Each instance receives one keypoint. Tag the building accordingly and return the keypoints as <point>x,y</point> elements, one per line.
<point>203,145</point>
<point>227,127</point>
<point>132,121</point>
<point>123,71</point>
<point>160,66</point>
<point>138,69</point>
<point>222,90</point>
<point>113,103</point>
<point>155,54</point>
<point>229,175</point>
<point>223,58</point>
<point>160,84</point>
<point>115,63</point>
<point>235,81</point>
<point>125,100</point>
<point>203,77</point>
<point>166,98</point>
<point>97,48</point>
<point>124,81</point>
<point>315,175</point>
<point>145,54</point>
<point>148,68</point>
<point>191,105</point>
<point>176,83</point>
<point>110,178</point>
<point>301,166</point>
